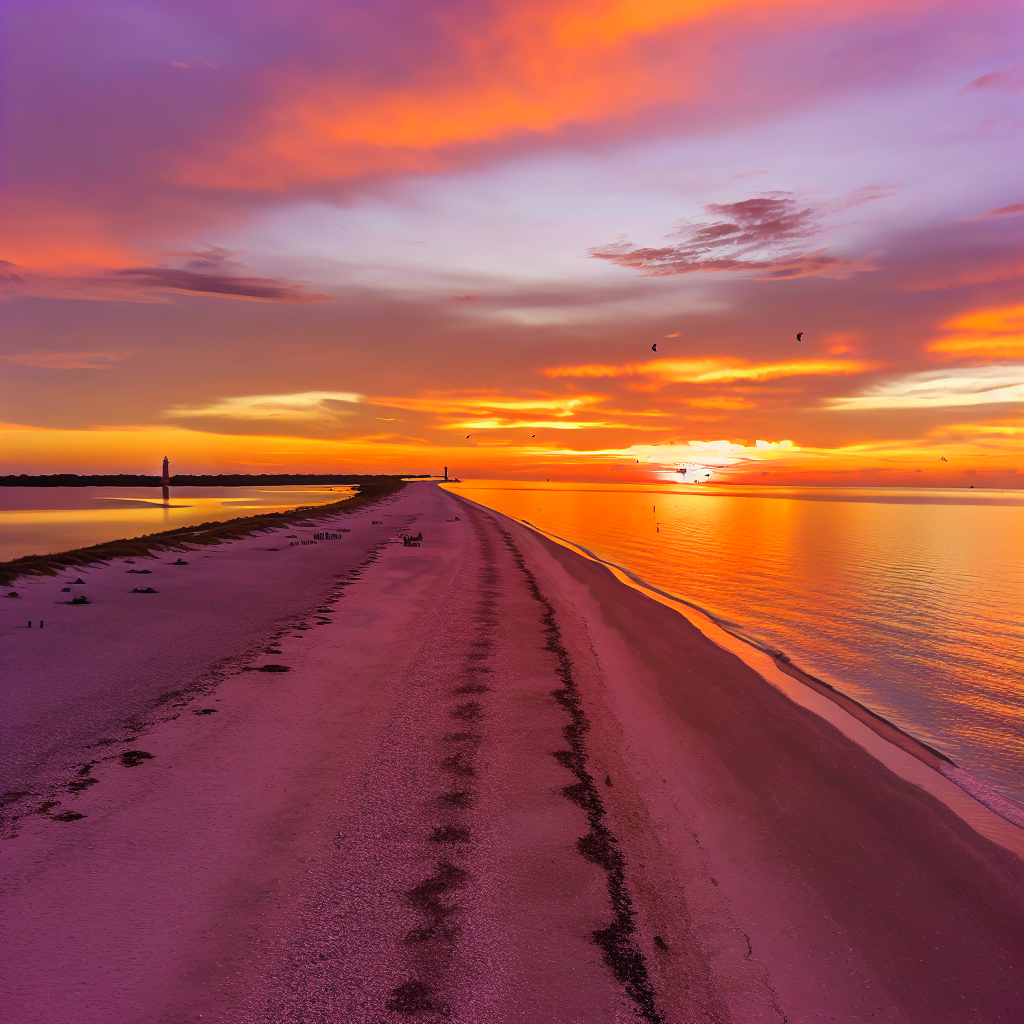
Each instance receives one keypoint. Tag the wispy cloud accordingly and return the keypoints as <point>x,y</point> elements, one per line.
<point>67,360</point>
<point>1006,211</point>
<point>207,272</point>
<point>305,405</point>
<point>764,234</point>
<point>460,410</point>
<point>983,334</point>
<point>979,385</point>
<point>229,286</point>
<point>713,370</point>
<point>1010,80</point>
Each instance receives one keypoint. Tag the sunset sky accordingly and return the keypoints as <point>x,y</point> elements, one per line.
<point>342,236</point>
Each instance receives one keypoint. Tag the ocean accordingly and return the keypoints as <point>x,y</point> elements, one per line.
<point>910,601</point>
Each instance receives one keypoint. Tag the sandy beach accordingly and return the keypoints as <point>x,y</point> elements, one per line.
<point>479,780</point>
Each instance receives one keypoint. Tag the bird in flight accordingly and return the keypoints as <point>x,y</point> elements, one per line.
<point>943,458</point>
<point>533,435</point>
<point>654,347</point>
<point>800,336</point>
<point>468,436</point>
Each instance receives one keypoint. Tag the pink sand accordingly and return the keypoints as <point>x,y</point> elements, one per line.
<point>382,833</point>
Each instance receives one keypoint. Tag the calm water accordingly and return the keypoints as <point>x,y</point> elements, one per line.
<point>44,520</point>
<point>910,601</point>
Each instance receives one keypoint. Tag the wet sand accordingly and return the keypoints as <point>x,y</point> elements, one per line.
<point>494,784</point>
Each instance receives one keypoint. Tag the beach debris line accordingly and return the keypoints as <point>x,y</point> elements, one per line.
<point>330,536</point>
<point>617,941</point>
<point>133,758</point>
<point>267,668</point>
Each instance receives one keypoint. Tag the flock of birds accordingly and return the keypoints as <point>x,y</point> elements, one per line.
<point>654,348</point>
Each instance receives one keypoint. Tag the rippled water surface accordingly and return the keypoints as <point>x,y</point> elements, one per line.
<point>44,520</point>
<point>910,601</point>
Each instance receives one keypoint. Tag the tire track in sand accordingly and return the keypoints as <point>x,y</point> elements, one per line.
<point>434,942</point>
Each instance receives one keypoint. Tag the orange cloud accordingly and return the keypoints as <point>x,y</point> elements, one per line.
<point>730,403</point>
<point>461,402</point>
<point>477,411</point>
<point>49,237</point>
<point>983,334</point>
<point>535,66</point>
<point>713,370</point>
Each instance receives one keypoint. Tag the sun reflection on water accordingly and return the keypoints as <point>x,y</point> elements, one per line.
<point>910,601</point>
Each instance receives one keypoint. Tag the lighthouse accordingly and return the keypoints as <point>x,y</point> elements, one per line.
<point>165,479</point>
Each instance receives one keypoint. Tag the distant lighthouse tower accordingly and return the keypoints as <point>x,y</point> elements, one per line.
<point>165,478</point>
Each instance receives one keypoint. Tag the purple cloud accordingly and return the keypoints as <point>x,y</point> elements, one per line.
<point>267,289</point>
<point>208,272</point>
<point>759,234</point>
<point>1011,80</point>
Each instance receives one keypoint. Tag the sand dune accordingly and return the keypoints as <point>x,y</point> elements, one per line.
<point>486,782</point>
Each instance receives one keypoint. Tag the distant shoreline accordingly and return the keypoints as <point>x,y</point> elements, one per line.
<point>371,490</point>
<point>194,480</point>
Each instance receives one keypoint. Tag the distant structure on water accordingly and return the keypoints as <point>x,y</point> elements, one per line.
<point>165,478</point>
<point>446,474</point>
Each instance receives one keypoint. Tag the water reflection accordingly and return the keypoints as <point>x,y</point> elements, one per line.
<point>909,601</point>
<point>44,520</point>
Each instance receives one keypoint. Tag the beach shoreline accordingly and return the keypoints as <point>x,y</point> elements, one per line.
<point>887,730</point>
<point>489,782</point>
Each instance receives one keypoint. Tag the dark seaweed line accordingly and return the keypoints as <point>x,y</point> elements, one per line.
<point>599,846</point>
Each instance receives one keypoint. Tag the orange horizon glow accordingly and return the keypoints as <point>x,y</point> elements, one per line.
<point>985,455</point>
<point>572,236</point>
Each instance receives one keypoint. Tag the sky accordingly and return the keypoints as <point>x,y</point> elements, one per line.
<point>695,240</point>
